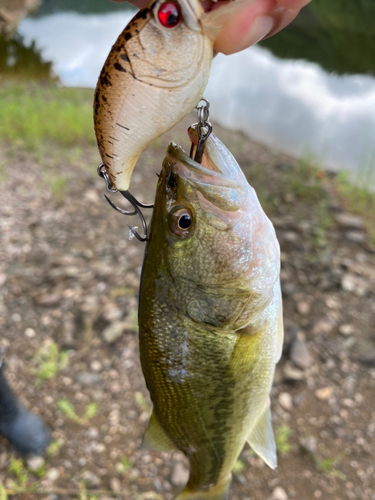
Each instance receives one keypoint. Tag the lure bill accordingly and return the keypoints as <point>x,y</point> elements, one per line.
<point>210,317</point>
<point>153,77</point>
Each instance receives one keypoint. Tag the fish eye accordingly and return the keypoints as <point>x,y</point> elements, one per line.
<point>169,14</point>
<point>182,221</point>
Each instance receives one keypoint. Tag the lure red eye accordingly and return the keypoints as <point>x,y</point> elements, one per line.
<point>169,14</point>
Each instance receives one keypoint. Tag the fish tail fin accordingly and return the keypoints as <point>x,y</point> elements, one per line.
<point>217,492</point>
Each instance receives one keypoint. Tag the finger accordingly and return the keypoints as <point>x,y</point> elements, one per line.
<point>249,25</point>
<point>293,4</point>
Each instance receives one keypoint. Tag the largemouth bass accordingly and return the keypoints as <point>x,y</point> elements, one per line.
<point>210,317</point>
<point>153,77</point>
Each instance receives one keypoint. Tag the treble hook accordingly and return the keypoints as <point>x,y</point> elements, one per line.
<point>136,204</point>
<point>102,172</point>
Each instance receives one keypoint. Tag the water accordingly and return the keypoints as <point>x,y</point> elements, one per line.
<point>310,90</point>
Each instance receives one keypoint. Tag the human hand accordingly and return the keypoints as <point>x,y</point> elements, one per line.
<point>251,23</point>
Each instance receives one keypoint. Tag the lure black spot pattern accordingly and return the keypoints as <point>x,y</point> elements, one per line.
<point>118,66</point>
<point>125,58</point>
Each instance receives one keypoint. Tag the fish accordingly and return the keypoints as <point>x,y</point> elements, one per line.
<point>210,317</point>
<point>154,75</point>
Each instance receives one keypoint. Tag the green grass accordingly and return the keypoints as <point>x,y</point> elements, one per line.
<point>22,484</point>
<point>358,199</point>
<point>282,435</point>
<point>68,410</point>
<point>50,361</point>
<point>32,115</point>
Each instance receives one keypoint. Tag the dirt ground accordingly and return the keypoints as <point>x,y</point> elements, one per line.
<point>69,279</point>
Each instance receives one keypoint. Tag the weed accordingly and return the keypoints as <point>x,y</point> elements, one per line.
<point>239,467</point>
<point>123,466</point>
<point>323,224</point>
<point>22,485</point>
<point>357,198</point>
<point>3,493</point>
<point>68,410</point>
<point>282,435</point>
<point>327,466</point>
<point>54,448</point>
<point>306,182</point>
<point>83,495</point>
<point>50,361</point>
<point>141,402</point>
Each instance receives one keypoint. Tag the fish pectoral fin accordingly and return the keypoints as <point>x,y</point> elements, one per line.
<point>261,439</point>
<point>155,438</point>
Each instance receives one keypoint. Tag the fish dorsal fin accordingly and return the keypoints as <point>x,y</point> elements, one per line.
<point>155,438</point>
<point>261,438</point>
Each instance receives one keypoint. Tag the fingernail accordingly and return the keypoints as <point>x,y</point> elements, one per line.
<point>261,27</point>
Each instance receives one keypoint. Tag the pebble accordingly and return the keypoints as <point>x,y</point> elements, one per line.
<point>35,463</point>
<point>285,400</point>
<point>363,351</point>
<point>96,366</point>
<point>113,332</point>
<point>180,475</point>
<point>303,308</point>
<point>323,325</point>
<point>92,481</point>
<point>292,374</point>
<point>349,221</point>
<point>279,494</point>
<point>356,236</point>
<point>300,354</point>
<point>356,284</point>
<point>324,393</point>
<point>52,475</point>
<point>29,333</point>
<point>88,378</point>
<point>115,484</point>
<point>309,444</point>
<point>346,330</point>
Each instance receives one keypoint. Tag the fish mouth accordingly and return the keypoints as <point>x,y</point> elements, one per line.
<point>218,177</point>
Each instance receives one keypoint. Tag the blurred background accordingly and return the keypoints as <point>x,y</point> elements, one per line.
<point>298,113</point>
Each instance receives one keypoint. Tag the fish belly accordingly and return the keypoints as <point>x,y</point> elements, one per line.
<point>208,388</point>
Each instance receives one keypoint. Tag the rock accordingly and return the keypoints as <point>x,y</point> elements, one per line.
<point>324,325</point>
<point>35,463</point>
<point>92,481</point>
<point>285,400</point>
<point>279,494</point>
<point>363,351</point>
<point>324,393</point>
<point>303,307</point>
<point>349,221</point>
<point>52,475</point>
<point>309,444</point>
<point>113,332</point>
<point>356,284</point>
<point>300,354</point>
<point>346,330</point>
<point>96,366</point>
<point>88,378</point>
<point>292,374</point>
<point>180,475</point>
<point>111,312</point>
<point>356,236</point>
<point>29,333</point>
<point>115,484</point>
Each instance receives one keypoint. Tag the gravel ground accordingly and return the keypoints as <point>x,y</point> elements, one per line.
<point>69,281</point>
